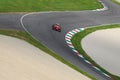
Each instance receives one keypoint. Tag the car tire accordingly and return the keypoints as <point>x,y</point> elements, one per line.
<point>59,30</point>
<point>52,27</point>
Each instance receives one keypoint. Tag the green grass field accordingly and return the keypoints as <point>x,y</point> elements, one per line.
<point>47,5</point>
<point>79,36</point>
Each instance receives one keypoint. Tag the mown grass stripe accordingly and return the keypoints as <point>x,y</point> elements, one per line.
<point>47,5</point>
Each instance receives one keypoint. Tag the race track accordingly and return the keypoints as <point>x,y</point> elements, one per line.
<point>39,26</point>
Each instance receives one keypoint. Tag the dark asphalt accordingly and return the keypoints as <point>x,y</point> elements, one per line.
<point>39,25</point>
<point>10,21</point>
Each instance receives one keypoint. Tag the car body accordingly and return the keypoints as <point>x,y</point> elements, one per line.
<point>56,27</point>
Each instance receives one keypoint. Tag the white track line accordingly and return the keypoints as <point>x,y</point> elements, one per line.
<point>102,9</point>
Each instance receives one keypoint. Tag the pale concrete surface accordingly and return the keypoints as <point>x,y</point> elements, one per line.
<point>21,61</point>
<point>103,46</point>
<point>118,0</point>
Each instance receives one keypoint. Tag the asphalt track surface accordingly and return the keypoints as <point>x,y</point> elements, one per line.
<point>39,26</point>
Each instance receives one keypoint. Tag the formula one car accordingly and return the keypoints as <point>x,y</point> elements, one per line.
<point>56,27</point>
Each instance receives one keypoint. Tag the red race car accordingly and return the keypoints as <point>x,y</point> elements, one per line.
<point>56,27</point>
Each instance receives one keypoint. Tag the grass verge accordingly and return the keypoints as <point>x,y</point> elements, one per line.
<point>47,5</point>
<point>79,36</point>
<point>25,36</point>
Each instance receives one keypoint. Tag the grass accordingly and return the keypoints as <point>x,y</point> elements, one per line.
<point>79,36</point>
<point>47,5</point>
<point>25,36</point>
